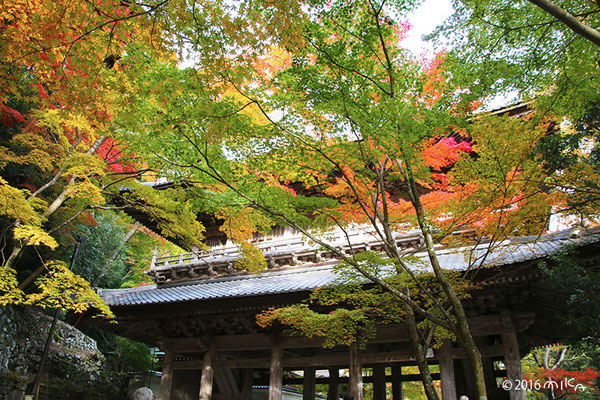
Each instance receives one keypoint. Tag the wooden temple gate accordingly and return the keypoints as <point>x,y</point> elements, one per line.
<point>204,321</point>
<point>209,362</point>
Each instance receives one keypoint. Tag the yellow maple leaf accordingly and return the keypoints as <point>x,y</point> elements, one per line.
<point>34,236</point>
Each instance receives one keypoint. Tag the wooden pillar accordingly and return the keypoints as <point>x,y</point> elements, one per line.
<point>276,372</point>
<point>494,392</point>
<point>379,387</point>
<point>447,371</point>
<point>308,383</point>
<point>333,389</point>
<point>166,379</point>
<point>356,382</point>
<point>206,381</point>
<point>397,383</point>
<point>467,377</point>
<point>512,359</point>
<point>247,379</point>
<point>459,376</point>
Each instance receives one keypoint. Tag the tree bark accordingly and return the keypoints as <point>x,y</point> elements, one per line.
<point>420,356</point>
<point>568,19</point>
<point>463,331</point>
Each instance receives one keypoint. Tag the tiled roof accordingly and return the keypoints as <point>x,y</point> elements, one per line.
<point>312,277</point>
<point>295,280</point>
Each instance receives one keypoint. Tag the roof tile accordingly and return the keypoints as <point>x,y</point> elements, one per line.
<point>312,277</point>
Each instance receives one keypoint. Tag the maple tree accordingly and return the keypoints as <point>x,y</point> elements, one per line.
<point>66,180</point>
<point>280,93</point>
<point>54,139</point>
<point>370,133</point>
<point>518,47</point>
<point>542,57</point>
<point>557,372</point>
<point>65,72</point>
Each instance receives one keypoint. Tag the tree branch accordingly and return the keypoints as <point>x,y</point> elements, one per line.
<point>569,20</point>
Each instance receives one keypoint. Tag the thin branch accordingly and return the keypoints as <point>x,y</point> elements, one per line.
<point>58,174</point>
<point>68,221</point>
<point>349,69</point>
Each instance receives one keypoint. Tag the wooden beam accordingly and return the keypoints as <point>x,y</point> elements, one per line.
<point>276,372</point>
<point>512,359</point>
<point>386,357</point>
<point>186,344</point>
<point>333,384</point>
<point>397,378</point>
<point>393,333</point>
<point>486,351</point>
<point>444,355</point>
<point>206,380</point>
<point>356,382</point>
<point>346,380</point>
<point>232,382</point>
<point>379,384</point>
<point>341,359</point>
<point>308,384</point>
<point>222,383</point>
<point>247,380</point>
<point>166,380</point>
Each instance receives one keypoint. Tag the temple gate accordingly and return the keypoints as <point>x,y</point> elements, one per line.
<point>201,313</point>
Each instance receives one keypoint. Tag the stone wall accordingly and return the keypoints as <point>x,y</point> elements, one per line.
<point>74,370</point>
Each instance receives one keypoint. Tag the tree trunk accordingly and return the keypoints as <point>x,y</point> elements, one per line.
<point>420,355</point>
<point>14,254</point>
<point>18,245</point>
<point>116,252</point>
<point>463,331</point>
<point>569,20</point>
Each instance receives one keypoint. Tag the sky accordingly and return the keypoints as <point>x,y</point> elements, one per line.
<point>424,20</point>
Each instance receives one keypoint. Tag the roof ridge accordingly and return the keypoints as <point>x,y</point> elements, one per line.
<point>308,277</point>
<point>249,276</point>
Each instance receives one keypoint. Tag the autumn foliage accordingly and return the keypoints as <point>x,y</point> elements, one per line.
<point>563,382</point>
<point>61,81</point>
